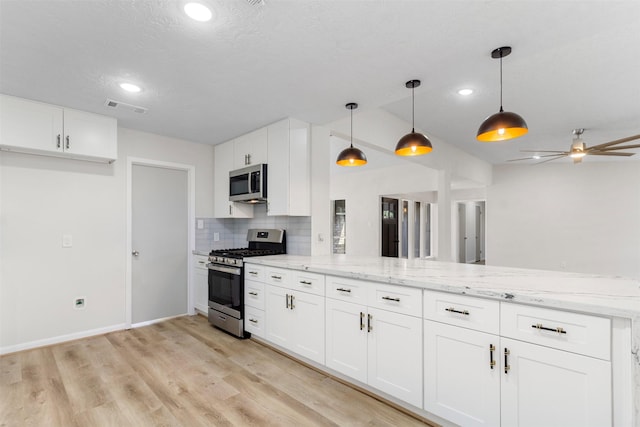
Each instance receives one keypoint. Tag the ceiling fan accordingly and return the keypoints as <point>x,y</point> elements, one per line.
<point>579,149</point>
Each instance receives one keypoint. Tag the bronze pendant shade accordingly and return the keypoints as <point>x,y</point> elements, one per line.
<point>351,156</point>
<point>413,144</point>
<point>503,125</point>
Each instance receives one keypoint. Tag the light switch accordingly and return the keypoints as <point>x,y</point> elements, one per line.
<point>216,237</point>
<point>67,240</point>
<point>200,224</point>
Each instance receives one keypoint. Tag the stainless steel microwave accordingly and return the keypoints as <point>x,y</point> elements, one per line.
<point>248,185</point>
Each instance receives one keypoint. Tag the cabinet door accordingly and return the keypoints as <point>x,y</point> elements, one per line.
<point>278,172</point>
<point>395,355</point>
<point>549,387</point>
<point>222,207</point>
<point>460,383</point>
<point>346,332</point>
<point>250,149</point>
<point>90,135</point>
<point>279,317</point>
<point>30,125</point>
<point>201,284</point>
<point>308,326</point>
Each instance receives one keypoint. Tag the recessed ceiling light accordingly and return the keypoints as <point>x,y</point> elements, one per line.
<point>465,92</point>
<point>198,12</point>
<point>130,87</point>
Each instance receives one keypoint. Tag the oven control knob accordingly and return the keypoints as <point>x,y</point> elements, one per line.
<point>234,261</point>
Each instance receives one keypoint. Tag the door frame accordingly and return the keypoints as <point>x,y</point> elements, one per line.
<point>191,209</point>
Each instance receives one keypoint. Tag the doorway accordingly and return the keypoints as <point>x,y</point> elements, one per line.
<point>471,232</point>
<point>160,229</point>
<point>390,227</point>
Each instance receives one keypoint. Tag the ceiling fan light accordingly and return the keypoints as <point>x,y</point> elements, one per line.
<point>577,149</point>
<point>502,126</point>
<point>351,156</point>
<point>413,144</point>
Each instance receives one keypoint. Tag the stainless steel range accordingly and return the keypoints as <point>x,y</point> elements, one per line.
<point>226,277</point>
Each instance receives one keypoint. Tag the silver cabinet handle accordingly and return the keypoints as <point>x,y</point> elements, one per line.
<point>248,159</point>
<point>492,362</point>
<point>343,290</point>
<point>230,210</point>
<point>277,277</point>
<point>135,253</point>
<point>506,360</point>
<point>305,282</point>
<point>67,139</point>
<point>292,298</point>
<point>369,325</point>
<point>361,320</point>
<point>287,300</point>
<point>201,262</point>
<point>253,321</point>
<point>253,273</point>
<point>253,293</point>
<point>58,141</point>
<point>453,310</point>
<point>391,299</point>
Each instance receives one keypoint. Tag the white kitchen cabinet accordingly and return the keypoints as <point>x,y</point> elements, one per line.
<point>295,321</point>
<point>200,283</point>
<point>250,149</point>
<point>38,128</point>
<point>548,387</point>
<point>289,172</point>
<point>223,164</point>
<point>378,347</point>
<point>254,302</point>
<point>460,382</point>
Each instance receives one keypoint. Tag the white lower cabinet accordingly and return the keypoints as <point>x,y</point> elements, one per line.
<point>376,347</point>
<point>547,387</point>
<point>294,320</point>
<point>201,283</point>
<point>460,382</point>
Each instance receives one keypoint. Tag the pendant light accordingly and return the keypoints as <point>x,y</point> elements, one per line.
<point>413,144</point>
<point>351,156</point>
<point>503,125</point>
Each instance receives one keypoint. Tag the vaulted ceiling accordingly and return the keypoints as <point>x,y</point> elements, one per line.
<point>575,64</point>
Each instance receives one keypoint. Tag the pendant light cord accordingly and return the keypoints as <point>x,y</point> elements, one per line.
<point>413,108</point>
<point>501,55</point>
<point>351,127</point>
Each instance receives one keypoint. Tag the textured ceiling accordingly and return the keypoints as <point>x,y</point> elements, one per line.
<point>574,64</point>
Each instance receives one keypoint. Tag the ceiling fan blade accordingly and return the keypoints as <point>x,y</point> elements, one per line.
<point>609,153</point>
<point>542,151</point>
<point>617,141</point>
<point>552,158</point>
<point>624,147</point>
<point>531,158</point>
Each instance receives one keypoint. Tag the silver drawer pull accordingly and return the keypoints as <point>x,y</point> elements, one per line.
<point>391,299</point>
<point>544,328</point>
<point>255,294</point>
<point>253,321</point>
<point>343,290</point>
<point>255,273</point>
<point>277,277</point>
<point>201,262</point>
<point>304,282</point>
<point>453,310</point>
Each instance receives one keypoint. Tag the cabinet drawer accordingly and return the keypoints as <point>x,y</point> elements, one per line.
<point>254,272</point>
<point>308,282</point>
<point>460,310</point>
<point>398,299</point>
<point>578,333</point>
<point>254,294</point>
<point>278,276</point>
<point>200,261</point>
<point>254,321</point>
<point>347,289</point>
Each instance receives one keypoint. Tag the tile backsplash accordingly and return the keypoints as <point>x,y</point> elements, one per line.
<point>232,232</point>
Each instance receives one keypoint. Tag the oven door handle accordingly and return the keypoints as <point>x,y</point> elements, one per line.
<point>224,269</point>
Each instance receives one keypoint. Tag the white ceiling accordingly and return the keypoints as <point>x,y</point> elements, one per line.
<point>574,64</point>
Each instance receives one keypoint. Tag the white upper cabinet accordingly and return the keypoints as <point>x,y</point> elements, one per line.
<point>288,159</point>
<point>38,128</point>
<point>222,165</point>
<point>250,149</point>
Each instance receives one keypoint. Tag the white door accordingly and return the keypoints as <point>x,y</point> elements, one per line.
<point>462,233</point>
<point>553,388</point>
<point>279,325</point>
<point>395,355</point>
<point>159,224</point>
<point>308,324</point>
<point>346,325</point>
<point>460,383</point>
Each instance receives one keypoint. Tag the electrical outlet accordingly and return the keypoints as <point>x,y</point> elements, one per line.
<point>79,303</point>
<point>67,240</point>
<point>200,223</point>
<point>216,237</point>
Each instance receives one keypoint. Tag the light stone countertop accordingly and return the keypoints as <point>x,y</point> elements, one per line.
<point>604,295</point>
<point>201,253</point>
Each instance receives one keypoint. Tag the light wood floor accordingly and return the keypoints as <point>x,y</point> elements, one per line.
<point>181,372</point>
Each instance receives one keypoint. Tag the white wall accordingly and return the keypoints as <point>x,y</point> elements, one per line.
<point>362,188</point>
<point>560,216</point>
<point>43,198</point>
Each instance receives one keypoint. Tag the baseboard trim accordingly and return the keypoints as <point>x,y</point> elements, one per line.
<point>151,322</point>
<point>60,339</point>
